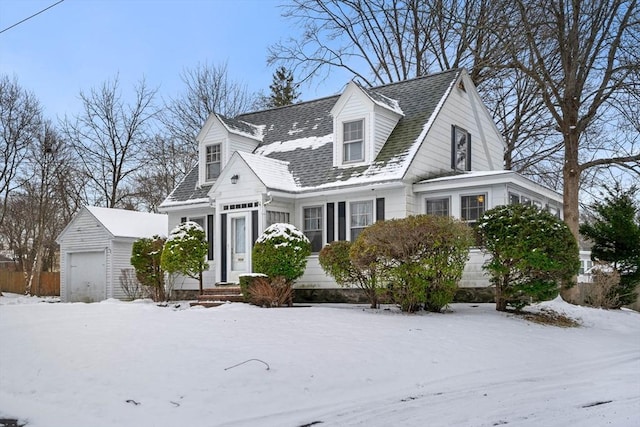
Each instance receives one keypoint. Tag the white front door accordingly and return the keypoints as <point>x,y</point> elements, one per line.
<point>238,246</point>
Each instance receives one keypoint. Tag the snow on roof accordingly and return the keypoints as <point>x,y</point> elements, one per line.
<point>241,128</point>
<point>273,173</point>
<point>382,100</point>
<point>471,175</point>
<point>124,223</point>
<point>309,143</point>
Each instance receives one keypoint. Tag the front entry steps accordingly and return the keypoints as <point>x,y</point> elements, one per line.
<point>221,294</point>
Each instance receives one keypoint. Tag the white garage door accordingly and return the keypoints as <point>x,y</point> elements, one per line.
<point>86,277</point>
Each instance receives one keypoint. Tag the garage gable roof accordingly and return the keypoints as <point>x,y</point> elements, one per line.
<point>123,223</point>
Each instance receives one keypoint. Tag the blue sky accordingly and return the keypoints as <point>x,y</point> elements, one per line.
<point>78,44</point>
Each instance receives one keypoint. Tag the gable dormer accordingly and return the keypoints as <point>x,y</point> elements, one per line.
<point>218,139</point>
<point>362,122</point>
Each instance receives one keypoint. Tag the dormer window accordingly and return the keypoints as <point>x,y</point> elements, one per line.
<point>212,162</point>
<point>353,141</point>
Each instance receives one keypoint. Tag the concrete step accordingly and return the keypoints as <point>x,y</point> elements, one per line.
<point>207,304</point>
<point>222,297</point>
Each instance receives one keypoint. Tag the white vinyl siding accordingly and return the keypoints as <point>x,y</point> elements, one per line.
<point>384,123</point>
<point>464,109</point>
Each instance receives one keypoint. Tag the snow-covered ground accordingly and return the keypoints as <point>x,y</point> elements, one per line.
<point>136,364</point>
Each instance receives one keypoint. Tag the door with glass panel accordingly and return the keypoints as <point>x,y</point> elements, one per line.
<point>238,246</point>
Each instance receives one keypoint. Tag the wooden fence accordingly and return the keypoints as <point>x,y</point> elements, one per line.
<point>14,282</point>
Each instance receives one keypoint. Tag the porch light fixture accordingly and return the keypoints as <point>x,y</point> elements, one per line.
<point>234,179</point>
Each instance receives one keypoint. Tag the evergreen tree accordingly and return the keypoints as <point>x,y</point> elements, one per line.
<point>185,252</point>
<point>145,258</point>
<point>615,233</point>
<point>283,90</point>
<point>532,252</point>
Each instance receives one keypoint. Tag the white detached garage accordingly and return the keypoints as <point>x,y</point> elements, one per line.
<point>96,246</point>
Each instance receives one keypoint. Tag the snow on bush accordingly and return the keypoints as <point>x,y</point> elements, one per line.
<point>281,250</point>
<point>185,251</point>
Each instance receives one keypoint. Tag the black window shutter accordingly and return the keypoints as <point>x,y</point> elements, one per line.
<point>468,151</point>
<point>223,247</point>
<point>380,209</point>
<point>210,234</point>
<point>254,227</point>
<point>183,219</point>
<point>453,147</point>
<point>342,221</point>
<point>330,222</point>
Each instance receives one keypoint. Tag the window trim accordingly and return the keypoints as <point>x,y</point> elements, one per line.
<point>320,222</point>
<point>346,142</point>
<point>207,162</point>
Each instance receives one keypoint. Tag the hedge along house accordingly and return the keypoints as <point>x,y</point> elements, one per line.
<point>95,247</point>
<point>335,165</point>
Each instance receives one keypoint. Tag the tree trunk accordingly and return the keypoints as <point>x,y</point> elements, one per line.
<point>570,194</point>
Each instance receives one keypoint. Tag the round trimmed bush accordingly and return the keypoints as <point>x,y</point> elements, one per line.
<point>282,250</point>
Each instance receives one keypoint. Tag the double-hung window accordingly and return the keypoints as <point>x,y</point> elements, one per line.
<point>438,207</point>
<point>460,149</point>
<point>353,141</point>
<point>274,217</point>
<point>212,162</point>
<point>472,208</point>
<point>361,217</point>
<point>313,227</point>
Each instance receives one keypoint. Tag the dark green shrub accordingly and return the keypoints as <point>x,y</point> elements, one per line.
<point>615,233</point>
<point>185,251</point>
<point>420,258</point>
<point>282,250</point>
<point>335,261</point>
<point>145,259</point>
<point>532,252</point>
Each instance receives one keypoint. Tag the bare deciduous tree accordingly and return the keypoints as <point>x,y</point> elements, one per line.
<point>38,209</point>
<point>208,89</point>
<point>172,160</point>
<point>109,136</point>
<point>583,59</point>
<point>20,119</point>
<point>382,41</point>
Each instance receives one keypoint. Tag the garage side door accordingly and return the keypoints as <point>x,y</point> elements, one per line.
<point>87,277</point>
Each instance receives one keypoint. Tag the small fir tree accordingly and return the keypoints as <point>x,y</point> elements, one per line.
<point>615,233</point>
<point>283,90</point>
<point>532,252</point>
<point>185,251</point>
<point>146,257</point>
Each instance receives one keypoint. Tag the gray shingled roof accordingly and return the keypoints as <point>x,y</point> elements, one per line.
<point>418,99</point>
<point>240,127</point>
<point>188,189</point>
<point>312,167</point>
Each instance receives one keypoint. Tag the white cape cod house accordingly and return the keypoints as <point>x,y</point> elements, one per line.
<point>335,165</point>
